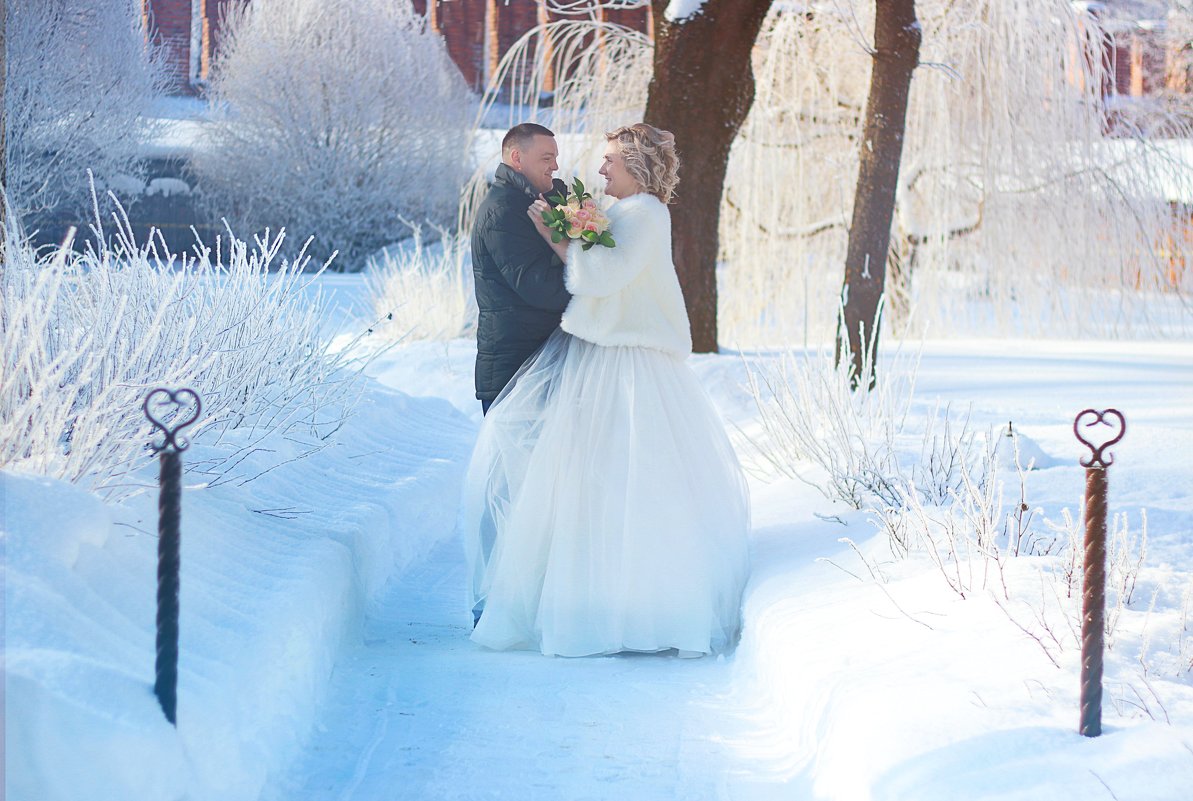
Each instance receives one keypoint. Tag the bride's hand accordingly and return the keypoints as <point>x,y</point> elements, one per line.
<point>535,212</point>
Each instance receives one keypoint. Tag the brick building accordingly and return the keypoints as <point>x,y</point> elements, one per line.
<point>477,32</point>
<point>1142,54</point>
<point>188,33</point>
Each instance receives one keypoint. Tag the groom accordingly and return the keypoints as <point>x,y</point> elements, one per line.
<point>519,279</point>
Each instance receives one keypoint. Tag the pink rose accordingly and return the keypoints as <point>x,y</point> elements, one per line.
<point>591,226</point>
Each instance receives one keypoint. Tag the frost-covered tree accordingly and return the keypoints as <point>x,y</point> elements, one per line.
<point>333,120</point>
<point>1014,212</point>
<point>78,79</point>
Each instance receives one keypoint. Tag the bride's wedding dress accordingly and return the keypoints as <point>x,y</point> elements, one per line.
<point>604,507</point>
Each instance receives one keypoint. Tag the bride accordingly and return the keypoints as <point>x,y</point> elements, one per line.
<point>604,508</point>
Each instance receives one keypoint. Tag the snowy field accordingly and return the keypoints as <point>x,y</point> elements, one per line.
<point>325,650</point>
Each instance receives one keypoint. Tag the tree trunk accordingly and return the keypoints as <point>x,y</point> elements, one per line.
<point>901,260</point>
<point>702,90</point>
<point>897,49</point>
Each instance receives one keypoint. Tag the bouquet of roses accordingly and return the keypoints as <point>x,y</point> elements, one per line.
<point>578,217</point>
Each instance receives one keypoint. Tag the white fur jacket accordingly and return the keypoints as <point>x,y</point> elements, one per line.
<point>629,294</point>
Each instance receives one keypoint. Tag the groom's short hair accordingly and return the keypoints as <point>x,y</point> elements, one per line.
<point>522,136</point>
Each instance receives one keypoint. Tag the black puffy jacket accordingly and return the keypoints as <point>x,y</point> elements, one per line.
<point>519,283</point>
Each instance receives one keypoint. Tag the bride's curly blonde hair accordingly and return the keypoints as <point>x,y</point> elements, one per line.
<point>650,158</point>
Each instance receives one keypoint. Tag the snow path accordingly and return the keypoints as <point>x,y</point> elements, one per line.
<point>833,692</point>
<point>418,711</point>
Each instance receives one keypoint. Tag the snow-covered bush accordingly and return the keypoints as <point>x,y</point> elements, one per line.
<point>79,77</point>
<point>421,291</point>
<point>932,488</point>
<point>1044,598</point>
<point>970,530</point>
<point>809,413</point>
<point>84,336</point>
<point>938,491</point>
<point>334,119</point>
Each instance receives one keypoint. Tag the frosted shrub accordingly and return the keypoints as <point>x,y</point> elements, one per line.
<point>937,491</point>
<point>84,336</point>
<point>333,119</point>
<point>423,291</point>
<point>809,413</point>
<point>933,488</point>
<point>79,77</point>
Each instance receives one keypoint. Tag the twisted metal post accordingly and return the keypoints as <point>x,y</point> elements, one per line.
<point>169,556</point>
<point>169,564</point>
<point>1093,592</point>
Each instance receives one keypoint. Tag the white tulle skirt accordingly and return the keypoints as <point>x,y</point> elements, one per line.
<point>604,508</point>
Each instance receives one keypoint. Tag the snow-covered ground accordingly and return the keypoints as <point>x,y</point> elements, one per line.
<point>325,649</point>
<point>275,574</point>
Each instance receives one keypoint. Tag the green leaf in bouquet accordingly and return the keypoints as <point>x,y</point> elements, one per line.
<point>578,188</point>
<point>589,236</point>
<point>607,240</point>
<point>556,199</point>
<point>587,245</point>
<point>556,237</point>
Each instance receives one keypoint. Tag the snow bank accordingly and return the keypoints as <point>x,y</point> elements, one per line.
<point>903,691</point>
<point>276,572</point>
<point>841,688</point>
<point>865,690</point>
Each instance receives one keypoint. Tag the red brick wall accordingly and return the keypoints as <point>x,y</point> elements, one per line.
<point>1154,65</point>
<point>636,18</point>
<point>1139,64</point>
<point>477,32</point>
<point>462,23</point>
<point>214,15</point>
<point>168,25</point>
